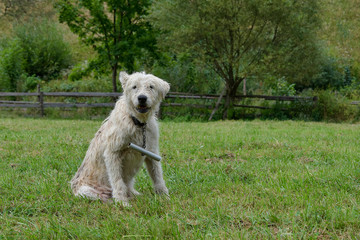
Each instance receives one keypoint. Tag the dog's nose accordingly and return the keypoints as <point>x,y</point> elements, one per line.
<point>142,99</point>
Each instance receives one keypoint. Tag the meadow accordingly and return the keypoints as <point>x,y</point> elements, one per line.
<point>227,180</point>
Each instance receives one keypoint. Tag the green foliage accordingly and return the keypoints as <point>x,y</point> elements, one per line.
<point>297,63</point>
<point>352,91</point>
<point>234,36</point>
<point>79,71</point>
<point>31,82</point>
<point>11,65</point>
<point>36,52</point>
<point>186,75</point>
<point>89,84</point>
<point>116,29</point>
<point>279,86</point>
<point>45,51</point>
<point>332,75</point>
<point>340,33</point>
<point>333,106</point>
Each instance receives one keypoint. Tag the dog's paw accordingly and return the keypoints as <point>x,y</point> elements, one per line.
<point>162,190</point>
<point>135,193</point>
<point>123,203</point>
<point>121,200</point>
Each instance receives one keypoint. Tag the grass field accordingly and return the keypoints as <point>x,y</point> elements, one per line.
<point>227,180</point>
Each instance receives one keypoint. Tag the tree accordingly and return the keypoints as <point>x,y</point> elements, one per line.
<point>232,36</point>
<point>116,29</point>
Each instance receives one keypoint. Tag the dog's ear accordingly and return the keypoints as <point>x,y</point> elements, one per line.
<point>123,77</point>
<point>163,87</point>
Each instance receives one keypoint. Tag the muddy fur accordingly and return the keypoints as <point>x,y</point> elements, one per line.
<point>109,167</point>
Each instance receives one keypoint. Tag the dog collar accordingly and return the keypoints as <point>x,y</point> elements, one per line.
<point>137,122</point>
<point>143,127</point>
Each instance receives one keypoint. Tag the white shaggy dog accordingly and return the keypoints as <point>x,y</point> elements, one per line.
<point>109,167</point>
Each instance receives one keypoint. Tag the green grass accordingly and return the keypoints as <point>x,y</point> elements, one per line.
<point>231,179</point>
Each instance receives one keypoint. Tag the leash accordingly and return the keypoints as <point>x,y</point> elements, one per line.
<point>142,149</point>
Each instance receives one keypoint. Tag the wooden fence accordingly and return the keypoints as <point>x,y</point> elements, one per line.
<point>210,99</point>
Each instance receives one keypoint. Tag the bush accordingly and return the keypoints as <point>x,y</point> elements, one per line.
<point>36,52</point>
<point>352,91</point>
<point>85,85</point>
<point>31,83</point>
<point>333,106</point>
<point>11,66</point>
<point>79,71</point>
<point>44,50</point>
<point>279,86</point>
<point>330,106</point>
<point>333,76</point>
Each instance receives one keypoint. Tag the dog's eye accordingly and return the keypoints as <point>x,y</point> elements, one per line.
<point>134,87</point>
<point>151,86</point>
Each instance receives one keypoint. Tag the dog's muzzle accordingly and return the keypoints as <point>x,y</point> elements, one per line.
<point>142,107</point>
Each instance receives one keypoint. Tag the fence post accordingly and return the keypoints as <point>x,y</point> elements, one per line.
<point>217,104</point>
<point>244,87</point>
<point>159,113</point>
<point>41,100</point>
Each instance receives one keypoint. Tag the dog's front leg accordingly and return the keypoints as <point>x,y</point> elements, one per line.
<point>155,171</point>
<point>113,163</point>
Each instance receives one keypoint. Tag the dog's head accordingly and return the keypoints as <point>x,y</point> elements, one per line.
<point>142,91</point>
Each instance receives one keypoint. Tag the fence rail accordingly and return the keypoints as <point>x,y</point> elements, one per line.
<point>41,104</point>
<point>170,95</point>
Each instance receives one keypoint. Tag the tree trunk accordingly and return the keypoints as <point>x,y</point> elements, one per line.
<point>114,77</point>
<point>114,80</point>
<point>229,100</point>
<point>114,67</point>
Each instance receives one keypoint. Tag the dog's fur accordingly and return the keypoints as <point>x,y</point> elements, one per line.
<point>109,167</point>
